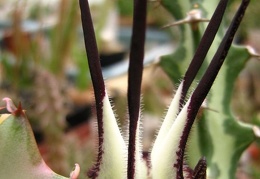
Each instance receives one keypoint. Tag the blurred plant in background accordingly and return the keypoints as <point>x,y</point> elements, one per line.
<point>43,59</point>
<point>39,46</point>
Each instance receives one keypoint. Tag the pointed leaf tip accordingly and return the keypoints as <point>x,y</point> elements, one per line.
<point>200,169</point>
<point>10,107</point>
<point>19,111</point>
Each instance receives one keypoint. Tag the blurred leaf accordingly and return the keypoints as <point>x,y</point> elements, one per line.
<point>20,157</point>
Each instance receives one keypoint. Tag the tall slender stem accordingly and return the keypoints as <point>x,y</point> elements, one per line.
<point>203,48</point>
<point>95,69</point>
<point>135,79</point>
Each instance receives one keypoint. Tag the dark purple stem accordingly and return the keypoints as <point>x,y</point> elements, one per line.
<point>135,79</point>
<point>95,70</point>
<point>203,48</point>
<point>200,169</point>
<point>206,82</point>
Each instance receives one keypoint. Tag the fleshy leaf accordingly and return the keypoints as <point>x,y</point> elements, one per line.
<point>114,153</point>
<point>223,129</point>
<point>163,166</point>
<point>166,125</point>
<point>216,126</point>
<point>20,157</point>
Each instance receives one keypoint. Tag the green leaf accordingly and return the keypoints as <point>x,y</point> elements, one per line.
<point>19,155</point>
<point>218,135</point>
<point>225,138</point>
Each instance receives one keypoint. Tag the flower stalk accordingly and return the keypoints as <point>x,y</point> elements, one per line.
<point>134,84</point>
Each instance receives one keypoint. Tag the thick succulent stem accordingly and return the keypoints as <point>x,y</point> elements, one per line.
<point>206,82</point>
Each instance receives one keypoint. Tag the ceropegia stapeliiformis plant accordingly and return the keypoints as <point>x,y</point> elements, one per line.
<point>167,155</point>
<point>118,159</point>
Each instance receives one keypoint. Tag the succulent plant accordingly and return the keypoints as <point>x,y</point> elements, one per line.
<point>19,152</point>
<point>218,135</point>
<point>118,158</point>
<point>167,155</point>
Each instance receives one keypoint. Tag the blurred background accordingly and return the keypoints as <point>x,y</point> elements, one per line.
<point>43,64</point>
